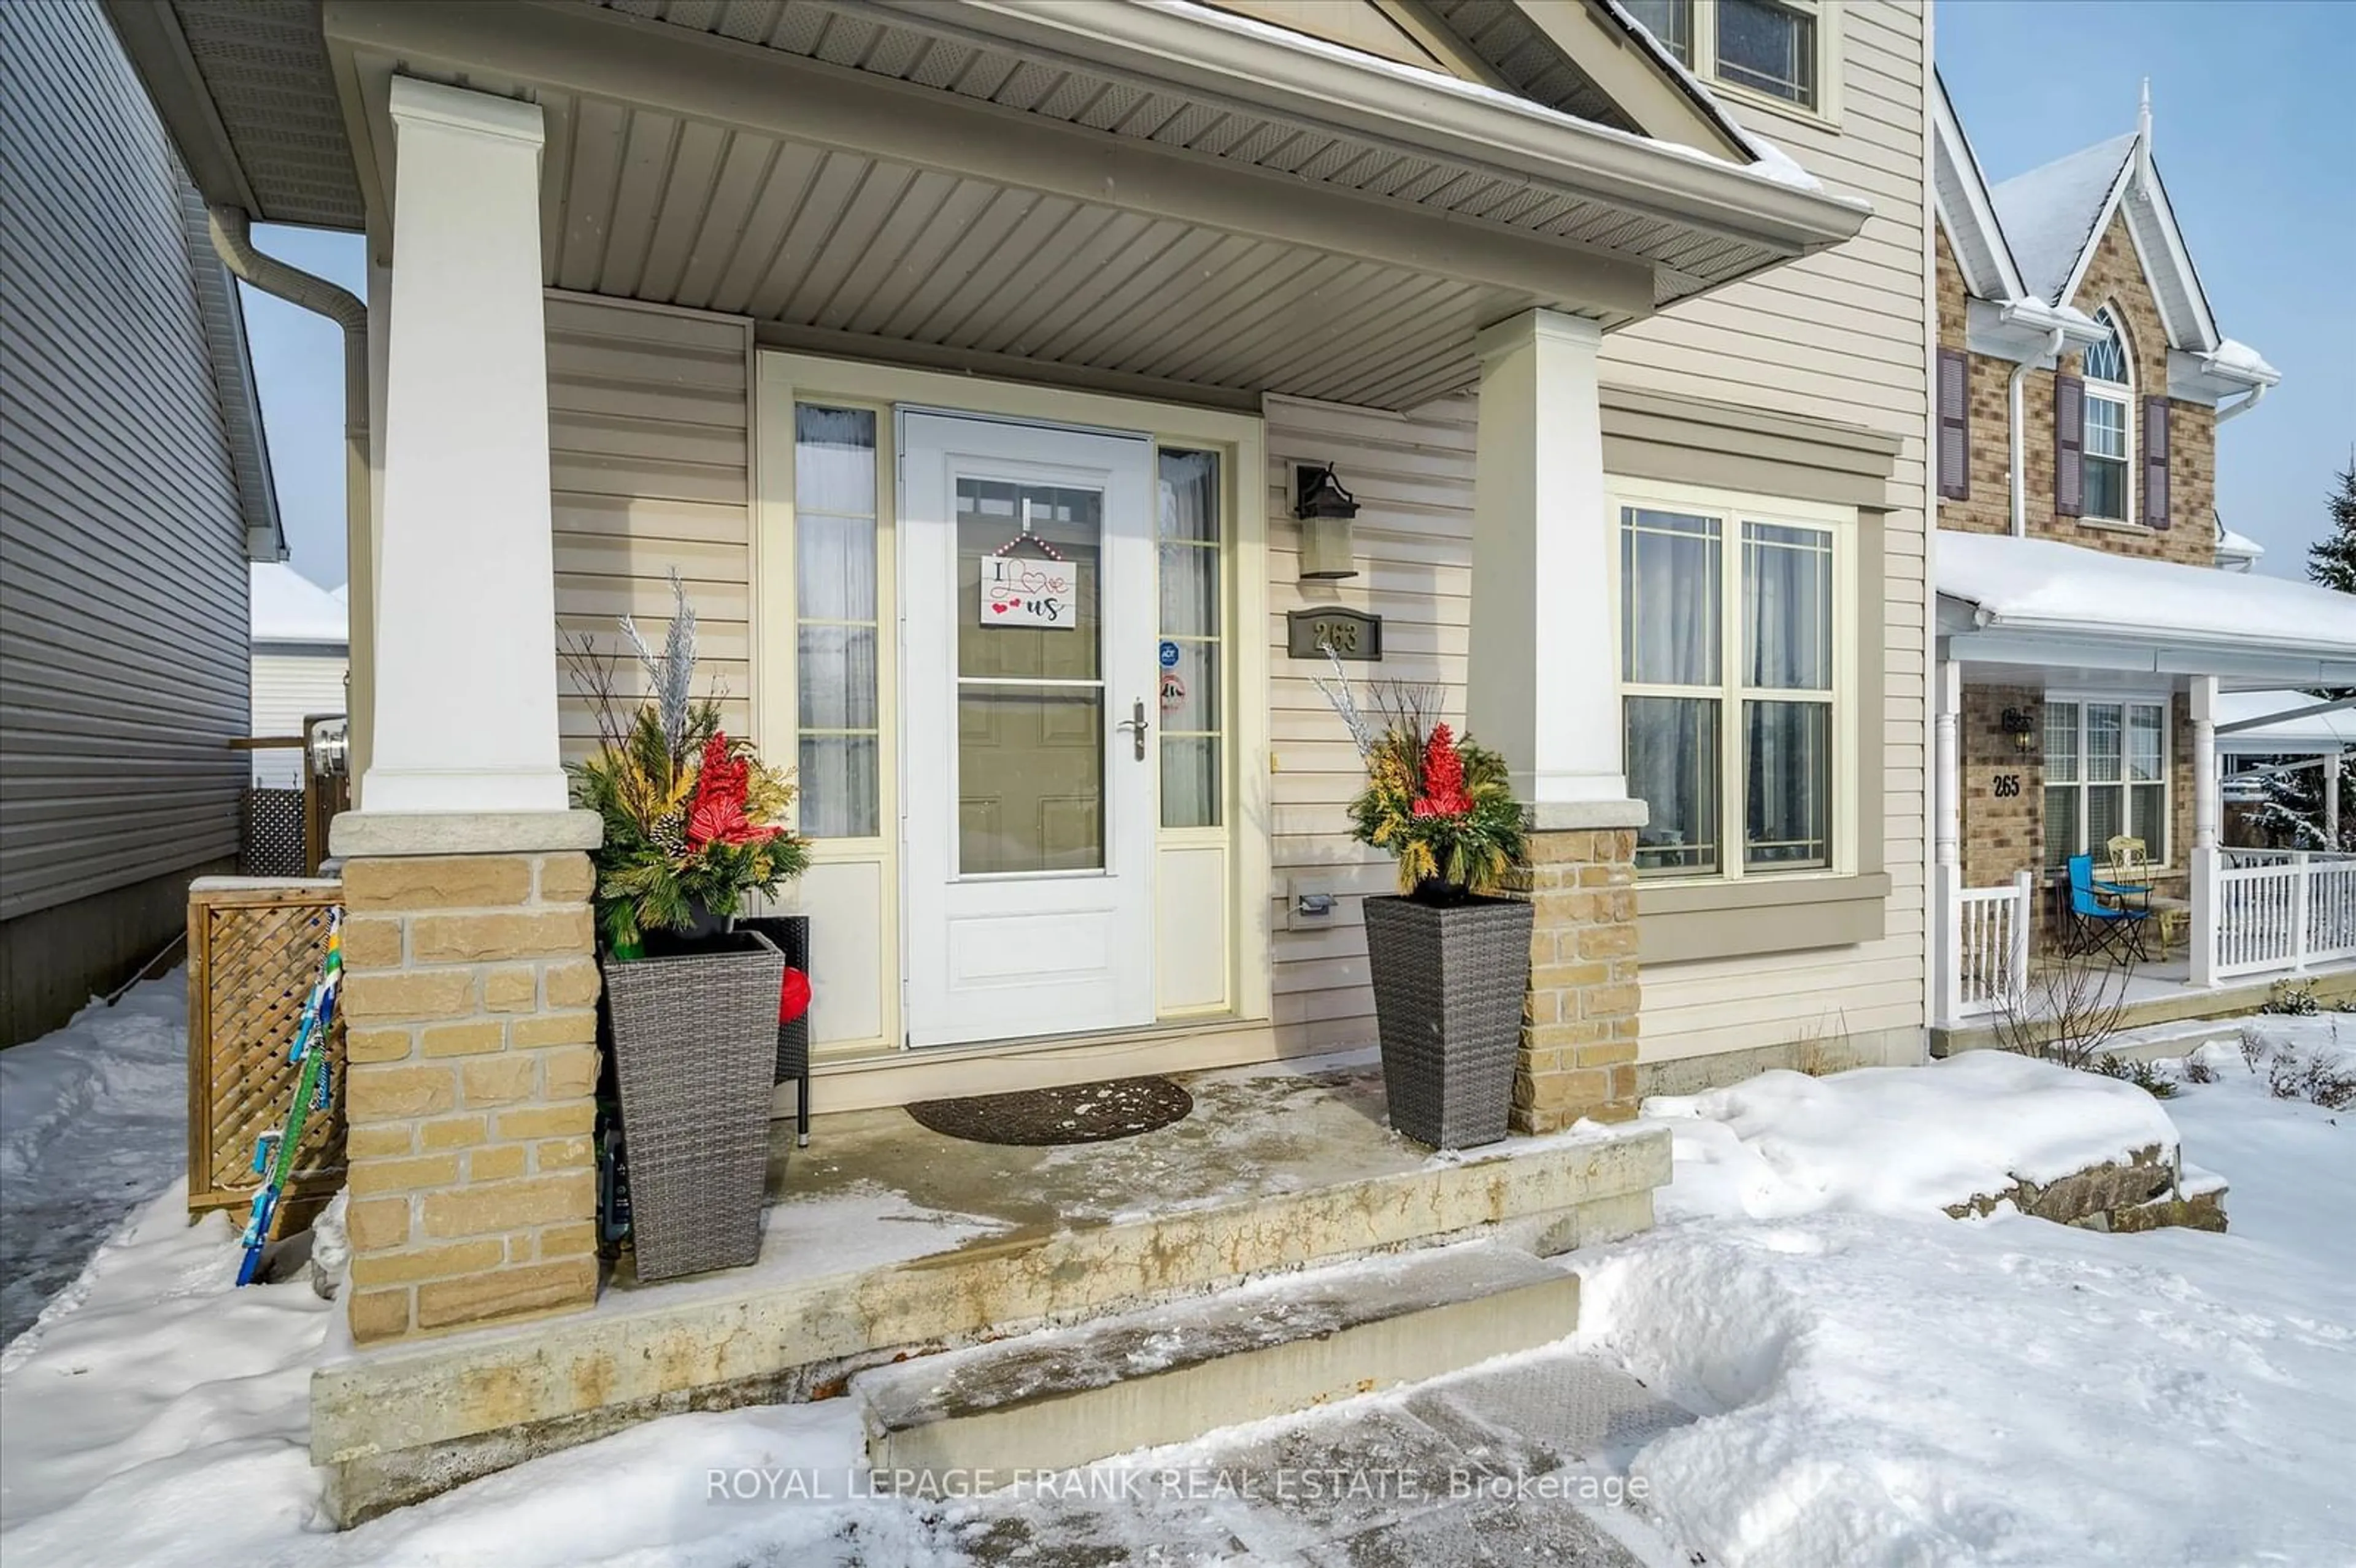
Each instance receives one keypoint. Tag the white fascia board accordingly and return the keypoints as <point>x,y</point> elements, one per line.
<point>2013,640</point>
<point>2201,378</point>
<point>2093,239</point>
<point>1954,147</point>
<point>2022,330</point>
<point>2201,332</point>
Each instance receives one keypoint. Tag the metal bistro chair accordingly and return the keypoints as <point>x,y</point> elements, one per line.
<point>2130,867</point>
<point>2105,917</point>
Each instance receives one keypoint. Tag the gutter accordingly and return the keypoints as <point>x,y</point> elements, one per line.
<point>2257,395</point>
<point>232,236</point>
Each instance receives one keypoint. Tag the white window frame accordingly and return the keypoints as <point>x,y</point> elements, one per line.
<point>1732,509</point>
<point>2118,394</point>
<point>2124,701</point>
<point>1701,28</point>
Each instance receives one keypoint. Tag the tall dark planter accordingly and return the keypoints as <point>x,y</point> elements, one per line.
<point>695,1043</point>
<point>1448,1002</point>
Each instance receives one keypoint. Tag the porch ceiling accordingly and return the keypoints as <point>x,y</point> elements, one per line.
<point>1154,197</point>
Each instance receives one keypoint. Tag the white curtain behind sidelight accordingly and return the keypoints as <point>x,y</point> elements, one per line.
<point>1672,566</point>
<point>1189,535</point>
<point>1787,631</point>
<point>836,630</point>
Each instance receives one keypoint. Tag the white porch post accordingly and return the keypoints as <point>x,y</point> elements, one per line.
<point>1947,873</point>
<point>2331,801</point>
<point>2205,830</point>
<point>1544,670</point>
<point>466,631</point>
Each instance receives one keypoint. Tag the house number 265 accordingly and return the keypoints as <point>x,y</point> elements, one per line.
<point>2006,785</point>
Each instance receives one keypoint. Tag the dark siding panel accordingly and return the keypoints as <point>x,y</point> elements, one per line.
<point>122,576</point>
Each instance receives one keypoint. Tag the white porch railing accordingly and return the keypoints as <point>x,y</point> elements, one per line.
<point>2283,909</point>
<point>1988,955</point>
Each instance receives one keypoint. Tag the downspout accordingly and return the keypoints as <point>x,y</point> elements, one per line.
<point>232,235</point>
<point>2019,436</point>
<point>2235,411</point>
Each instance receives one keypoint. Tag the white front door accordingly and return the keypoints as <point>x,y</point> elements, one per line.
<point>1028,672</point>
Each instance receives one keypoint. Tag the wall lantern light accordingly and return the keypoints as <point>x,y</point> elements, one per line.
<point>2021,725</point>
<point>1324,509</point>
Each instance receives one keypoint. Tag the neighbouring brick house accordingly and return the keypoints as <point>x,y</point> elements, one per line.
<point>2085,629</point>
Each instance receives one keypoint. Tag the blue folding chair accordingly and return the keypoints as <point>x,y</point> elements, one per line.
<point>2105,917</point>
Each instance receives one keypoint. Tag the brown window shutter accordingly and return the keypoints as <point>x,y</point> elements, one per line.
<point>1955,425</point>
<point>2069,446</point>
<point>2155,462</point>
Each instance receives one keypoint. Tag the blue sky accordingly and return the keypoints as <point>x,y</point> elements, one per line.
<point>2250,127</point>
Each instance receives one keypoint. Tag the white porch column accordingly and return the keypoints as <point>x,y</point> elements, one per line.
<point>2331,801</point>
<point>1947,869</point>
<point>2205,833</point>
<point>1544,670</point>
<point>465,628</point>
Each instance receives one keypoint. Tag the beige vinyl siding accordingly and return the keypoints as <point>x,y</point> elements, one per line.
<point>1412,475</point>
<point>649,469</point>
<point>290,685</point>
<point>1842,337</point>
<point>122,567</point>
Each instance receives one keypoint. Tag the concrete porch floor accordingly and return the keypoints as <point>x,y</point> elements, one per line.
<point>885,1240</point>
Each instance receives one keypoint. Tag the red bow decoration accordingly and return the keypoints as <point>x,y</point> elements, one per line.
<point>1443,778</point>
<point>717,815</point>
<point>794,997</point>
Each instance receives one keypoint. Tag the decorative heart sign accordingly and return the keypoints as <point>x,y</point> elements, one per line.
<point>1027,593</point>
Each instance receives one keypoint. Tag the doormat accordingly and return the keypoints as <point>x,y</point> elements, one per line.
<point>1078,1114</point>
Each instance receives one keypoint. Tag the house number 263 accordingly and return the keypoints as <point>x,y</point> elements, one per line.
<point>2006,785</point>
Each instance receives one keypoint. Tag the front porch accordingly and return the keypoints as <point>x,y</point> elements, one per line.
<point>2081,702</point>
<point>885,1240</point>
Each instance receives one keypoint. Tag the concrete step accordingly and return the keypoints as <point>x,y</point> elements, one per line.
<point>1066,1397</point>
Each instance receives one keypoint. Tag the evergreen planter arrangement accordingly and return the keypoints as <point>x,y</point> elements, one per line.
<point>694,824</point>
<point>1451,959</point>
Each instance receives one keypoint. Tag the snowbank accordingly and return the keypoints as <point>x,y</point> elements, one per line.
<point>1899,1140</point>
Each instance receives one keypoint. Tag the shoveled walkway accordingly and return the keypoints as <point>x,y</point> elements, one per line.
<point>1524,1462</point>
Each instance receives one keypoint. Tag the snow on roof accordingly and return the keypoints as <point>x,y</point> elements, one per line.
<point>2241,547</point>
<point>2043,585</point>
<point>2048,214</point>
<point>288,607</point>
<point>2316,732</point>
<point>2241,359</point>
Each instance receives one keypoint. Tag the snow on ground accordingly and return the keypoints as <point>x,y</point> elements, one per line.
<point>93,1119</point>
<point>1783,1144</point>
<point>1876,1384</point>
<point>1885,1387</point>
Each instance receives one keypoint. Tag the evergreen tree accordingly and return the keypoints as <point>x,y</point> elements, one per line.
<point>2291,814</point>
<point>2331,560</point>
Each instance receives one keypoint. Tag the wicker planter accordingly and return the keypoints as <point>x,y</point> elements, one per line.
<point>695,1043</point>
<point>1448,1000</point>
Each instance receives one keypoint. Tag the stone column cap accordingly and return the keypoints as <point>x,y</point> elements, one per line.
<point>1577,816</point>
<point>365,834</point>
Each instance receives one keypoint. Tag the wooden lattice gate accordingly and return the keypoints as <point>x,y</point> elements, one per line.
<point>253,954</point>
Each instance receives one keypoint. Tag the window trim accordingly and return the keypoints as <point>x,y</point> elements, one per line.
<point>1733,508</point>
<point>2121,395</point>
<point>2163,700</point>
<point>1701,29</point>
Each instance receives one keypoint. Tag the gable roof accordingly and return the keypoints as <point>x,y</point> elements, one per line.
<point>2054,215</point>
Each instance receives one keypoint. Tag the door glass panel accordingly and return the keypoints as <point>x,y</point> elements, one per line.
<point>1031,718</point>
<point>1030,779</point>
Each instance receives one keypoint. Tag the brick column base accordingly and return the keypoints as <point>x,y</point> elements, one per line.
<point>469,998</point>
<point>1579,1019</point>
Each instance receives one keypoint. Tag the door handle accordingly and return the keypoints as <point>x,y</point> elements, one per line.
<point>1136,726</point>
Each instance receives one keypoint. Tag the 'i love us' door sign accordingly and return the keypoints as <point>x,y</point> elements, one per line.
<point>1039,590</point>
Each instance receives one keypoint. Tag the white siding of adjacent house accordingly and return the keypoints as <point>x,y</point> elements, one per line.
<point>1843,336</point>
<point>123,568</point>
<point>650,462</point>
<point>289,686</point>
